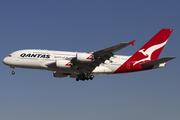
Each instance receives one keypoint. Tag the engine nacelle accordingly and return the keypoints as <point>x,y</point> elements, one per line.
<point>63,63</point>
<point>84,57</point>
<point>58,74</point>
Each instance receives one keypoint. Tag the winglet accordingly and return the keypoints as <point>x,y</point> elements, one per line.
<point>132,42</point>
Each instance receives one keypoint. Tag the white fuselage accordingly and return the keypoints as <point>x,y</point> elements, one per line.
<point>39,59</point>
<point>84,65</point>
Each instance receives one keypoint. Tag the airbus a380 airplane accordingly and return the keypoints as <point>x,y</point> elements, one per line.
<point>83,66</point>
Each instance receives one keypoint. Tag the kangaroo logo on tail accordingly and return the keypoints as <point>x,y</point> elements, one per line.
<point>149,52</point>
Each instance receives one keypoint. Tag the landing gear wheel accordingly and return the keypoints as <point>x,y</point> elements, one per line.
<point>88,77</point>
<point>84,77</point>
<point>13,72</point>
<point>91,77</point>
<point>77,79</point>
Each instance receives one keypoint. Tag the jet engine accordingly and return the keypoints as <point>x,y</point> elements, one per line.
<point>63,63</point>
<point>84,57</point>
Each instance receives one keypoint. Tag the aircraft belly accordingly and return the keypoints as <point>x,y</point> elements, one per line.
<point>27,63</point>
<point>102,70</point>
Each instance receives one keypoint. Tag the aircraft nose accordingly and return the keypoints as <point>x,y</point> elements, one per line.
<point>5,60</point>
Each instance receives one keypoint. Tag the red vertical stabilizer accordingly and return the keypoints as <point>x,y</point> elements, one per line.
<point>150,51</point>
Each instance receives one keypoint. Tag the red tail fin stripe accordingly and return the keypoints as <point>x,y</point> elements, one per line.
<point>150,51</point>
<point>159,39</point>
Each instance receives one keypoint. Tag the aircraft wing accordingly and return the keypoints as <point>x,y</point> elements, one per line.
<point>115,47</point>
<point>99,57</point>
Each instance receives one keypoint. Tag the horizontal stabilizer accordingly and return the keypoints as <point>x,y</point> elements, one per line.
<point>158,61</point>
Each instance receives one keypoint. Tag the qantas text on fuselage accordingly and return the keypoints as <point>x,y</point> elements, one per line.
<point>24,55</point>
<point>84,65</point>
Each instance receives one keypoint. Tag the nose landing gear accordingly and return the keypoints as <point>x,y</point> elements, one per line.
<point>13,72</point>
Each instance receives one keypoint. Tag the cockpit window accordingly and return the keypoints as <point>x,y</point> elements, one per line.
<point>9,55</point>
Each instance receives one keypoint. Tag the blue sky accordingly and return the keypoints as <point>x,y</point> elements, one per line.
<point>88,25</point>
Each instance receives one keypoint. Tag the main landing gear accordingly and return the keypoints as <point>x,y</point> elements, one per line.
<point>13,72</point>
<point>84,77</point>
